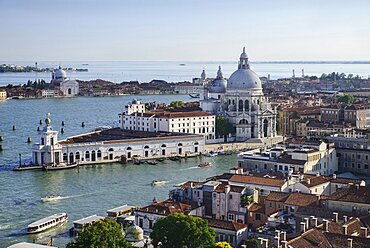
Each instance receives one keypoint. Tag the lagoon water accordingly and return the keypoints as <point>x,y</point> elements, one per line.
<point>94,189</point>
<point>172,71</point>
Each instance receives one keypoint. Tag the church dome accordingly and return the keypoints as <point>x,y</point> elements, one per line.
<point>219,84</point>
<point>244,78</point>
<point>60,73</point>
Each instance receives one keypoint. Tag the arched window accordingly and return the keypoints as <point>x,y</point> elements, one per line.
<point>65,157</point>
<point>77,156</point>
<point>246,105</point>
<point>93,156</point>
<point>196,143</point>
<point>42,141</point>
<point>179,144</point>
<point>69,91</point>
<point>163,146</point>
<point>243,122</point>
<point>71,157</point>
<point>87,155</point>
<point>146,147</point>
<point>129,149</point>
<point>240,107</point>
<point>110,150</point>
<point>265,127</point>
<point>98,154</point>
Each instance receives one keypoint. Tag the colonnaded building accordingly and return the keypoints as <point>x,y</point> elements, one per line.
<point>113,145</point>
<point>241,100</point>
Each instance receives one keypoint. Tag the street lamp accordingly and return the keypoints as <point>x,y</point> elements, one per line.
<point>20,160</point>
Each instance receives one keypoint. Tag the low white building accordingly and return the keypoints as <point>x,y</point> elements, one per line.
<point>311,157</point>
<point>135,117</point>
<point>49,93</point>
<point>3,95</point>
<point>112,145</point>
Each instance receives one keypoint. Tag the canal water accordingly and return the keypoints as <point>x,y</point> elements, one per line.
<point>92,190</point>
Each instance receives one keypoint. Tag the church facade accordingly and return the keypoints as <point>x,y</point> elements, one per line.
<point>68,87</point>
<point>240,99</point>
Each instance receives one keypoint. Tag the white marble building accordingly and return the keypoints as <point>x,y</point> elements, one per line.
<point>58,75</point>
<point>69,88</point>
<point>241,100</point>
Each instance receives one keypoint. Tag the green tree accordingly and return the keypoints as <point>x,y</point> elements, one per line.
<point>223,245</point>
<point>182,231</point>
<point>102,234</point>
<point>223,126</point>
<point>176,104</point>
<point>251,242</point>
<point>347,99</point>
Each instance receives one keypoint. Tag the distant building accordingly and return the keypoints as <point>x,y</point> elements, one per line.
<point>69,88</point>
<point>49,93</point>
<point>356,114</point>
<point>3,95</point>
<point>58,76</point>
<point>353,150</point>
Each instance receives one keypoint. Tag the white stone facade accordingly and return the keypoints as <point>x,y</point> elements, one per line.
<point>69,88</point>
<point>242,102</point>
<point>134,117</point>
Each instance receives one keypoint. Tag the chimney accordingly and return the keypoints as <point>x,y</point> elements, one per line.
<point>308,181</point>
<point>303,227</point>
<point>307,223</point>
<point>345,229</point>
<point>284,236</point>
<point>277,241</point>
<point>349,241</point>
<point>334,176</point>
<point>345,218</point>
<point>363,232</point>
<point>325,225</point>
<point>335,217</point>
<point>284,244</point>
<point>227,189</point>
<point>313,222</point>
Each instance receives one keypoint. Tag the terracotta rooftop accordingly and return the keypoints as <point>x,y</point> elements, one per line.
<point>287,159</point>
<point>315,181</point>
<point>189,183</point>
<point>166,207</point>
<point>176,114</point>
<point>228,225</point>
<point>295,198</point>
<point>255,207</point>
<point>117,134</point>
<point>352,194</point>
<point>257,180</point>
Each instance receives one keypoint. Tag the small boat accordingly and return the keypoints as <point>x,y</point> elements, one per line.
<point>182,64</point>
<point>48,222</point>
<point>160,159</point>
<point>59,167</point>
<point>210,154</point>
<point>221,153</point>
<point>194,95</point>
<point>151,162</point>
<point>158,182</point>
<point>51,198</point>
<point>207,164</point>
<point>174,158</point>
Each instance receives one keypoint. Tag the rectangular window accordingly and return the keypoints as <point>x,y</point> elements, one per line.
<point>258,216</point>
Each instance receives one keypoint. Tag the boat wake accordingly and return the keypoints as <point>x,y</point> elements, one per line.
<point>189,168</point>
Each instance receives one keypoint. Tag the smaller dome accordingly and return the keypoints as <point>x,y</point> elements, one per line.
<point>60,73</point>
<point>219,84</point>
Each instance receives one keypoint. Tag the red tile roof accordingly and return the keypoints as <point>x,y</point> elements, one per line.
<point>257,180</point>
<point>228,225</point>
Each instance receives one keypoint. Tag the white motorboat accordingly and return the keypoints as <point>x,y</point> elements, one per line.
<point>158,182</point>
<point>51,198</point>
<point>48,222</point>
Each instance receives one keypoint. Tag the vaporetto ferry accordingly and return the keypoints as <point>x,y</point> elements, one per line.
<point>48,222</point>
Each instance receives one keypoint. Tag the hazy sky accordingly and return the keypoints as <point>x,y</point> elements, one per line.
<point>153,30</point>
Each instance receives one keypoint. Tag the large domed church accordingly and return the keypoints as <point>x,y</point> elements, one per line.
<point>240,99</point>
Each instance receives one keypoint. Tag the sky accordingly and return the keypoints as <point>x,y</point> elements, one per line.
<point>184,30</point>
